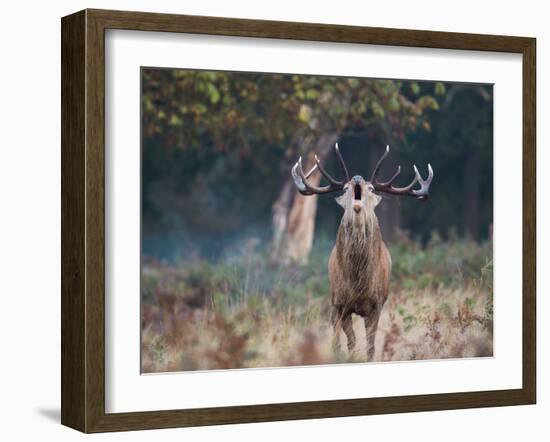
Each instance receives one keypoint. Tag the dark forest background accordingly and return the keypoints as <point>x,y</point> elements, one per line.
<point>218,148</point>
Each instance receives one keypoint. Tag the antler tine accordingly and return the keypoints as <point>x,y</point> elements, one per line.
<point>313,169</point>
<point>300,178</point>
<point>305,188</point>
<point>387,187</point>
<point>341,159</point>
<point>410,186</point>
<point>379,164</point>
<point>422,193</point>
<point>325,173</point>
<point>392,179</point>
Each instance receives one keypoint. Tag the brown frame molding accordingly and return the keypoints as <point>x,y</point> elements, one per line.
<point>83,218</point>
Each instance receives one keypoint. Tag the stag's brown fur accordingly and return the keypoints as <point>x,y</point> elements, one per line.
<point>359,267</point>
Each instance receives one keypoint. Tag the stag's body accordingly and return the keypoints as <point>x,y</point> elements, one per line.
<point>359,273</point>
<point>360,265</point>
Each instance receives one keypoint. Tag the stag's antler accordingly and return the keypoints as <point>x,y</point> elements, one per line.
<point>386,187</point>
<point>305,188</point>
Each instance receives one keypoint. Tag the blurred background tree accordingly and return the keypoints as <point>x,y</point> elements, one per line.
<point>218,148</point>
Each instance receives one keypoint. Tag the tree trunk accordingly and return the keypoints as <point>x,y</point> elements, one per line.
<point>293,213</point>
<point>281,208</point>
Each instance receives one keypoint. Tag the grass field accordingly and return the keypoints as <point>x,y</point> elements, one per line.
<point>243,311</point>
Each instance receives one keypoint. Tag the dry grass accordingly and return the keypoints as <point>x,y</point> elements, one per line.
<point>246,313</point>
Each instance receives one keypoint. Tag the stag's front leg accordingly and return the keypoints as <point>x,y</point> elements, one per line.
<point>371,324</point>
<point>336,321</point>
<point>347,325</point>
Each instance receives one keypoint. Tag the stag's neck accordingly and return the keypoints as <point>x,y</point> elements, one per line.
<point>358,242</point>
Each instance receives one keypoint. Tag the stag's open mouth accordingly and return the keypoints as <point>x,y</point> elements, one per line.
<point>357,192</point>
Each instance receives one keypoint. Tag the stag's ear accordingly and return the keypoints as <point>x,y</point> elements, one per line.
<point>340,200</point>
<point>376,199</point>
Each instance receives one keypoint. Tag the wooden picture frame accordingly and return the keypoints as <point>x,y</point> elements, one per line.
<point>83,220</point>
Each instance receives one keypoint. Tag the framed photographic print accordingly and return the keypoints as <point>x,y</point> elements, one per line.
<point>267,220</point>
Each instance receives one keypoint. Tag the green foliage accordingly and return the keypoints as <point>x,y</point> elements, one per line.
<point>237,109</point>
<point>249,274</point>
<point>439,88</point>
<point>440,263</point>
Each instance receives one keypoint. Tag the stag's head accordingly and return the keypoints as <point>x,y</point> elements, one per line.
<point>360,196</point>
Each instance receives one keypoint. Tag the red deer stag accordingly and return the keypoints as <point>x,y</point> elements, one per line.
<point>359,266</point>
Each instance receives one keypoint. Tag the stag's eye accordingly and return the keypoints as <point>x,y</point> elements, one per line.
<point>357,192</point>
